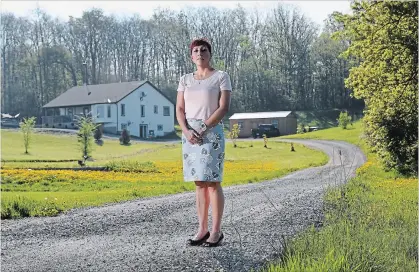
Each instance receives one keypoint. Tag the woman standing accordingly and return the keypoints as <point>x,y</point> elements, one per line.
<point>203,99</point>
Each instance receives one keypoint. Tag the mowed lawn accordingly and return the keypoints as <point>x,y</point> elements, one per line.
<point>139,170</point>
<point>62,147</point>
<point>353,134</point>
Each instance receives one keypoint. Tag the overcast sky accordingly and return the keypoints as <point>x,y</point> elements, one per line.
<point>316,10</point>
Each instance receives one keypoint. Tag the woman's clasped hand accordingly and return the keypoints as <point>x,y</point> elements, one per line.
<point>194,137</point>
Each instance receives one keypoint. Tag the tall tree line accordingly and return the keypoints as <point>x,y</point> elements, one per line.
<point>384,40</point>
<point>277,60</point>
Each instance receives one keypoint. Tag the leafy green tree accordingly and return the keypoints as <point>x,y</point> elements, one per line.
<point>26,126</point>
<point>344,119</point>
<point>277,57</point>
<point>85,135</point>
<point>234,134</point>
<point>384,38</point>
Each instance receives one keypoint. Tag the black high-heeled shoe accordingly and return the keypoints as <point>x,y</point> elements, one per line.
<point>192,242</point>
<point>209,244</point>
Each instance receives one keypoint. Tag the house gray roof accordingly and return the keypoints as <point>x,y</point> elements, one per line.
<point>97,94</point>
<point>260,115</point>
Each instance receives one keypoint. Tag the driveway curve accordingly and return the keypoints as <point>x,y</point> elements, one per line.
<point>150,234</point>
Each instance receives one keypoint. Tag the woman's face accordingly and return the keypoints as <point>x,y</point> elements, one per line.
<point>201,55</point>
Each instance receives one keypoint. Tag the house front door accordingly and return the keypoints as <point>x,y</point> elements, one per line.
<point>143,131</point>
<point>86,111</point>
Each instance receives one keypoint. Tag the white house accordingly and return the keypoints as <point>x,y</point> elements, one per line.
<point>137,106</point>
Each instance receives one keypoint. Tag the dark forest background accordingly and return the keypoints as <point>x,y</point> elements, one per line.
<point>279,60</point>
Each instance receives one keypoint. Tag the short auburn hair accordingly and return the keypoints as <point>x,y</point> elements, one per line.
<point>199,42</point>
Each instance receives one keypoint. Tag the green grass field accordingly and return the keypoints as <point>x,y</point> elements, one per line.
<point>353,134</point>
<point>370,225</point>
<point>140,170</point>
<point>61,147</point>
<point>324,118</point>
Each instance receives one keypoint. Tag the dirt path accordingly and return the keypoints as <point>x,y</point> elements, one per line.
<point>151,234</point>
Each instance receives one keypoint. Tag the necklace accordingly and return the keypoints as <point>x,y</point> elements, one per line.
<point>199,80</point>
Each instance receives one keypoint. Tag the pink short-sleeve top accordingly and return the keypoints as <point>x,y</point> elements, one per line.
<point>202,96</point>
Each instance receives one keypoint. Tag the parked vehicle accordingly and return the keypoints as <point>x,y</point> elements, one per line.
<point>9,122</point>
<point>268,129</point>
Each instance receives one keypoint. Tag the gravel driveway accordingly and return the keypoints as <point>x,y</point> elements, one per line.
<point>151,234</point>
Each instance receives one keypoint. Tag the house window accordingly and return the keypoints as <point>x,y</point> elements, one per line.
<point>275,123</point>
<point>122,109</point>
<point>159,127</point>
<point>123,126</point>
<point>50,112</point>
<point>241,124</point>
<point>69,111</point>
<point>156,109</point>
<point>99,112</point>
<point>142,110</point>
<point>166,111</point>
<point>109,111</point>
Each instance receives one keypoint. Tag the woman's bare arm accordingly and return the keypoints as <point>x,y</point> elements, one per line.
<point>180,111</point>
<point>191,136</point>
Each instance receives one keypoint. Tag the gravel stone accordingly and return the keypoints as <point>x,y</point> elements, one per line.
<point>150,234</point>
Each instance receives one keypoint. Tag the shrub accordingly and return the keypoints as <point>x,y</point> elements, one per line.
<point>234,134</point>
<point>301,129</point>
<point>16,208</point>
<point>19,207</point>
<point>98,134</point>
<point>344,119</point>
<point>85,135</point>
<point>125,137</point>
<point>265,141</point>
<point>27,128</point>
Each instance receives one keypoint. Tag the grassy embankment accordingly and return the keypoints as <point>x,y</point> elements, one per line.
<point>370,224</point>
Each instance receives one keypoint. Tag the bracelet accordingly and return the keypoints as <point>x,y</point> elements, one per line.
<point>204,126</point>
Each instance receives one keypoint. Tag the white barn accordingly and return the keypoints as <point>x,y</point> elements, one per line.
<point>137,106</point>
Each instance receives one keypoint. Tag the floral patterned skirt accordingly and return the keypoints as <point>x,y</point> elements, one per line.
<point>204,162</point>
